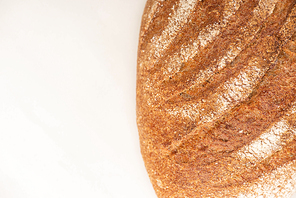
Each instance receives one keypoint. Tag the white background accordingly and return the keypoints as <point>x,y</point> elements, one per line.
<point>67,99</point>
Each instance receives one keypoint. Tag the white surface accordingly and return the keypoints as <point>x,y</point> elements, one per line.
<point>67,99</point>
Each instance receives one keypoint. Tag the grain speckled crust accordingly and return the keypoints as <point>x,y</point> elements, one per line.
<point>216,97</point>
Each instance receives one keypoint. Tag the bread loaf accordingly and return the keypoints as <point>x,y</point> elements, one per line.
<point>216,97</point>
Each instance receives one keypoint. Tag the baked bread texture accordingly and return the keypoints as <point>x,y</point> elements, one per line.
<point>216,97</point>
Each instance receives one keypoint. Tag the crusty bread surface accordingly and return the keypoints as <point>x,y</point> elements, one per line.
<point>216,97</point>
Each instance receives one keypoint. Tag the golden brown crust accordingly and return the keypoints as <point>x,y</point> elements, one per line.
<point>216,97</point>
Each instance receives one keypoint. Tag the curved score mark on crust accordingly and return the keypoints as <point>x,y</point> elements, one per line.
<point>227,96</point>
<point>149,16</point>
<point>176,22</point>
<point>206,36</point>
<point>274,185</point>
<point>269,142</point>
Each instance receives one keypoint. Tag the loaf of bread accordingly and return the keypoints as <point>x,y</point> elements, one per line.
<point>216,97</point>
